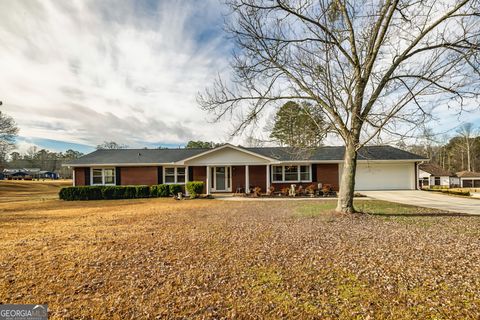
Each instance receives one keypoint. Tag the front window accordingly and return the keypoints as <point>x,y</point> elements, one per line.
<point>292,173</point>
<point>175,175</point>
<point>103,176</point>
<point>305,173</point>
<point>97,176</point>
<point>277,173</point>
<point>437,181</point>
<point>180,175</point>
<point>169,175</point>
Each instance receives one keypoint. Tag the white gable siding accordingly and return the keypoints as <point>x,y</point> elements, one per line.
<point>227,156</point>
<point>384,176</point>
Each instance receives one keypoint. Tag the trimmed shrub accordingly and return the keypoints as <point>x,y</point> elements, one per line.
<point>194,188</point>
<point>454,192</point>
<point>108,192</point>
<point>459,192</point>
<point>117,192</point>
<point>159,190</point>
<point>130,192</point>
<point>175,189</point>
<point>142,192</point>
<point>154,191</point>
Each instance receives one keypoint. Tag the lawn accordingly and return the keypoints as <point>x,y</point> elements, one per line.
<point>161,258</point>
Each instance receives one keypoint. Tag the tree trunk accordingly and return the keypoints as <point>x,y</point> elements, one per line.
<point>347,183</point>
<point>469,166</point>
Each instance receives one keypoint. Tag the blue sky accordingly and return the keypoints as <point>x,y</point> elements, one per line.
<point>77,73</point>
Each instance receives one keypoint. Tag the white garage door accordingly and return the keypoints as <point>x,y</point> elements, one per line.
<point>381,176</point>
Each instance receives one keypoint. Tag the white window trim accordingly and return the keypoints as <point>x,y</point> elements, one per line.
<point>298,173</point>
<point>103,176</point>
<point>175,174</point>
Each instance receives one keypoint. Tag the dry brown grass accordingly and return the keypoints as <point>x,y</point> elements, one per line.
<point>160,258</point>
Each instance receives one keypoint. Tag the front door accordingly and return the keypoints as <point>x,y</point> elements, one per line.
<point>221,179</point>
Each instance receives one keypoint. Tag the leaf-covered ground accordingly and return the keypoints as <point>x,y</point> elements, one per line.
<point>157,258</point>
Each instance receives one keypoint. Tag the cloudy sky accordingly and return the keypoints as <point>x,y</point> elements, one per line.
<point>79,72</point>
<point>76,73</point>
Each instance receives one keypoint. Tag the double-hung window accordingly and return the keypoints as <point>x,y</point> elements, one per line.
<point>292,173</point>
<point>277,174</point>
<point>103,176</point>
<point>174,175</point>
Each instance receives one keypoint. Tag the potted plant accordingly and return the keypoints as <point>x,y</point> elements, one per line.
<point>310,190</point>
<point>257,191</point>
<point>270,191</point>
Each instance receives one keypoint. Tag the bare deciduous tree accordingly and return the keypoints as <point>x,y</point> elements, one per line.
<point>8,132</point>
<point>467,134</point>
<point>371,66</point>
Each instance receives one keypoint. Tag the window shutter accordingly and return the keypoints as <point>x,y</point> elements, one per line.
<point>160,175</point>
<point>190,174</point>
<point>314,172</point>
<point>118,177</point>
<point>87,176</point>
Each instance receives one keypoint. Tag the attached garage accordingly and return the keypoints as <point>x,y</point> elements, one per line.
<point>384,176</point>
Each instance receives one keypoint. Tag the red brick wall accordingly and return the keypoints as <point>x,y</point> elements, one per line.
<point>138,175</point>
<point>238,177</point>
<point>258,177</point>
<point>79,176</point>
<point>327,173</point>
<point>199,174</point>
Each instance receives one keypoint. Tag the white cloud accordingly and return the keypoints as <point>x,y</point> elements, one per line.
<point>89,71</point>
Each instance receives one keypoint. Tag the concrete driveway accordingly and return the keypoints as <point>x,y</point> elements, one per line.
<point>428,199</point>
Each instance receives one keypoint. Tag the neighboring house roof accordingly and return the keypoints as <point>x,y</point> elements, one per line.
<point>281,154</point>
<point>468,174</point>
<point>25,171</point>
<point>435,170</point>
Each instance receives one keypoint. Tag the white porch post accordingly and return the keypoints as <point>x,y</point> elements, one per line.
<point>247,180</point>
<point>186,180</point>
<point>208,180</point>
<point>73,176</point>
<point>268,177</point>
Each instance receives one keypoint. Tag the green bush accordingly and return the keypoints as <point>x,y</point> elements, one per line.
<point>175,189</point>
<point>130,192</point>
<point>108,192</point>
<point>159,190</point>
<point>454,192</point>
<point>194,188</point>
<point>119,192</point>
<point>459,192</point>
<point>142,192</point>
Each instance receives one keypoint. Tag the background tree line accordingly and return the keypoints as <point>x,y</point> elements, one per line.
<point>457,153</point>
<point>43,159</point>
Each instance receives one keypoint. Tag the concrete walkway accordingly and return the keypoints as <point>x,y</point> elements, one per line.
<point>428,199</point>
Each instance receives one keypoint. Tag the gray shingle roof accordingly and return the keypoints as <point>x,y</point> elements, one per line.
<point>155,156</point>
<point>333,153</point>
<point>132,156</point>
<point>468,174</point>
<point>435,170</point>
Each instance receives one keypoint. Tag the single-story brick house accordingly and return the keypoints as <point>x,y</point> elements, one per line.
<point>469,179</point>
<point>229,168</point>
<point>430,174</point>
